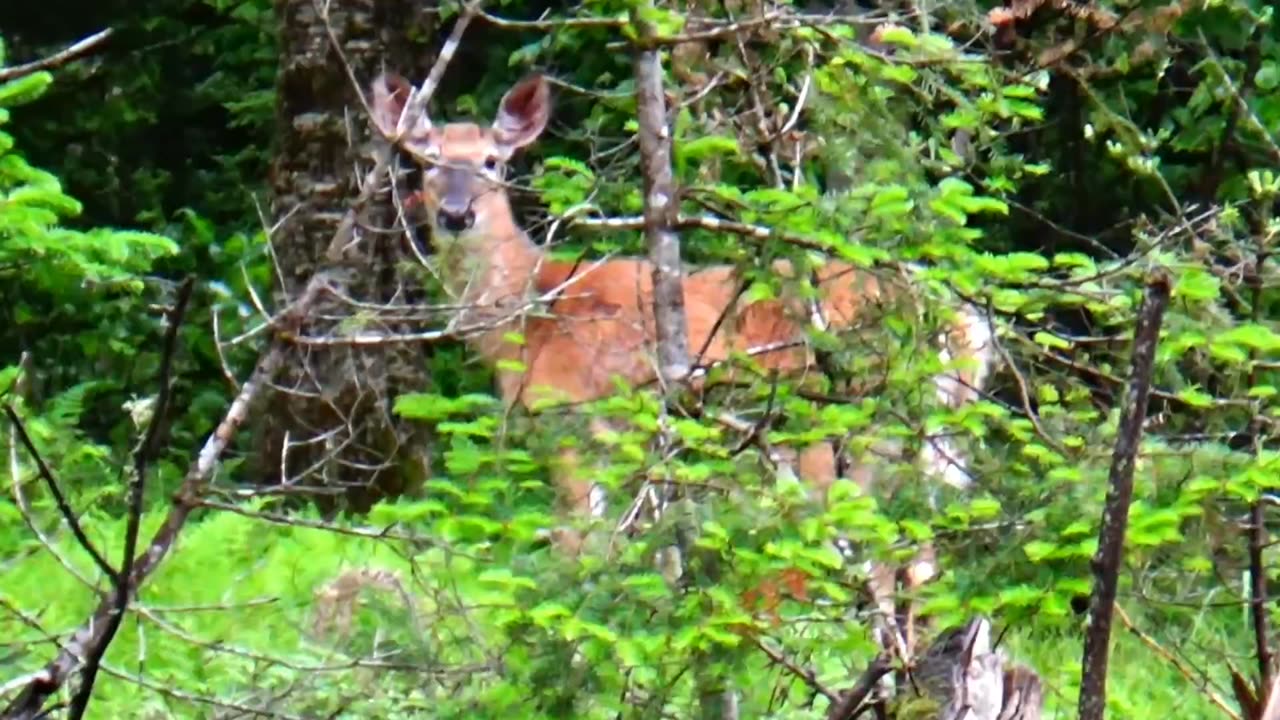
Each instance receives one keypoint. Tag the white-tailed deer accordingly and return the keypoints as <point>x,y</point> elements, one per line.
<point>601,325</point>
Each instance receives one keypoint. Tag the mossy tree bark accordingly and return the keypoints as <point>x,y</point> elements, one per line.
<point>329,423</point>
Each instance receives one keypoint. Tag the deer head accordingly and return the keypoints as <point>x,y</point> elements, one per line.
<point>464,163</point>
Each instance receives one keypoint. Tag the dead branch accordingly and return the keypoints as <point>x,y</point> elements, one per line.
<point>1272,709</point>
<point>1258,534</point>
<point>414,107</point>
<point>62,57</point>
<point>803,673</point>
<point>661,211</point>
<point>554,23</point>
<point>1178,664</point>
<point>1115,514</point>
<point>854,700</point>
<point>706,222</point>
<point>417,103</point>
<point>137,489</point>
<point>64,507</point>
<point>1258,604</point>
<point>24,504</point>
<point>773,22</point>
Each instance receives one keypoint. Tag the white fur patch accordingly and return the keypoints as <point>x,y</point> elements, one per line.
<point>981,338</point>
<point>597,501</point>
<point>942,460</point>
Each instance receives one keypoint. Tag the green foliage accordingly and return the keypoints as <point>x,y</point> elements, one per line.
<point>87,273</point>
<point>35,246</point>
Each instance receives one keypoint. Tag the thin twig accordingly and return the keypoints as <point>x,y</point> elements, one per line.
<point>661,213</point>
<point>554,23</point>
<point>1258,605</point>
<point>1178,665</point>
<point>808,676</point>
<point>706,222</point>
<point>774,22</point>
<point>414,108</point>
<point>59,499</point>
<point>445,57</point>
<point>62,57</point>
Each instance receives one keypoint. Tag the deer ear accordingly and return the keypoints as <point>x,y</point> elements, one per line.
<point>390,94</point>
<point>523,113</point>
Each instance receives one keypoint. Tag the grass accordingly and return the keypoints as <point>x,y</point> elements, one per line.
<point>249,586</point>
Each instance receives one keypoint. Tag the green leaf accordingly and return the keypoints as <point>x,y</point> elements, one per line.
<point>505,578</point>
<point>570,166</point>
<point>1050,340</point>
<point>896,35</point>
<point>824,555</point>
<point>708,146</point>
<point>1268,76</point>
<point>432,406</point>
<point>1039,550</point>
<point>1197,284</point>
<point>1196,398</point>
<point>891,201</point>
<point>949,209</point>
<point>548,612</point>
<point>1021,596</point>
<point>1252,336</point>
<point>25,89</point>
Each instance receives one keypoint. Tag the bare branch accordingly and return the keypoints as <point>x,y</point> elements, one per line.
<point>59,499</point>
<point>776,21</point>
<point>1258,534</point>
<point>417,103</point>
<point>805,674</point>
<point>553,24</point>
<point>1115,514</point>
<point>137,490</point>
<point>706,222</point>
<point>1180,666</point>
<point>62,57</point>
<point>854,700</point>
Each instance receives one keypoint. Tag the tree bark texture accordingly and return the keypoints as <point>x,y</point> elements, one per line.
<point>661,213</point>
<point>965,678</point>
<point>1115,513</point>
<point>329,421</point>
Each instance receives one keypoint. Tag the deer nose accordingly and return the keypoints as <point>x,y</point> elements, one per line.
<point>455,220</point>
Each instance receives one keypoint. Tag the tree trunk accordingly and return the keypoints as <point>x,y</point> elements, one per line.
<point>329,423</point>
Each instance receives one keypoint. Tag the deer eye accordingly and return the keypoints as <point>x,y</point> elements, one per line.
<point>491,163</point>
